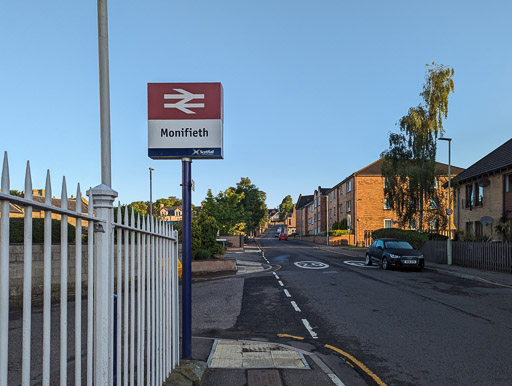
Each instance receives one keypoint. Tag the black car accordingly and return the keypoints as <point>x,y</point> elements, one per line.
<point>394,253</point>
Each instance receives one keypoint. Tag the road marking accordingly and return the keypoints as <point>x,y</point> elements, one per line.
<point>275,274</point>
<point>290,336</point>
<point>287,293</point>
<point>281,283</point>
<point>360,364</point>
<point>360,264</point>
<point>296,306</point>
<point>311,264</point>
<point>309,328</point>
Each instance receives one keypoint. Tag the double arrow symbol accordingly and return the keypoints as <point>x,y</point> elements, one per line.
<point>183,104</point>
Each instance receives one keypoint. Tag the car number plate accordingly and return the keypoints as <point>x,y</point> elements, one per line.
<point>409,261</point>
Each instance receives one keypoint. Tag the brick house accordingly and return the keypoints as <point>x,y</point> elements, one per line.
<point>320,210</point>
<point>290,222</point>
<point>483,193</point>
<point>39,195</point>
<point>359,199</point>
<point>170,214</point>
<point>301,213</point>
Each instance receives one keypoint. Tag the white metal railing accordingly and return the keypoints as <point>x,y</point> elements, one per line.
<point>147,333</point>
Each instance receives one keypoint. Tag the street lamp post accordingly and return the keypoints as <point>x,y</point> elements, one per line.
<point>449,211</point>
<point>151,192</point>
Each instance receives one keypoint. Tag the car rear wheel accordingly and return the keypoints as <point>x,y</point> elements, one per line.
<point>368,260</point>
<point>385,263</point>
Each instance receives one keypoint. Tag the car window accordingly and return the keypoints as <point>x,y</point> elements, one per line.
<point>380,243</point>
<point>374,244</point>
<point>398,245</point>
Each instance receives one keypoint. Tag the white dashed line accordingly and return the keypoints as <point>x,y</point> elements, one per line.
<point>296,307</point>
<point>306,324</point>
<point>277,277</point>
<point>287,293</point>
<point>281,283</point>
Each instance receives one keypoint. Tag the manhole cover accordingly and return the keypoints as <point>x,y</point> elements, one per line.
<point>263,378</point>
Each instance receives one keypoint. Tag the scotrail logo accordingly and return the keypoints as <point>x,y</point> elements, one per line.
<point>203,152</point>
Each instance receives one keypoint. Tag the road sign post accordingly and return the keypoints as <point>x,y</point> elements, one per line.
<point>185,121</point>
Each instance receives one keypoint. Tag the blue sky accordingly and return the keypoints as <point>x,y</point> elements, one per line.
<point>311,89</point>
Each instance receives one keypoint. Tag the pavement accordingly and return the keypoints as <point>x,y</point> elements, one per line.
<point>224,361</point>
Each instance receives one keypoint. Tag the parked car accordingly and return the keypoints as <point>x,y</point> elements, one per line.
<point>283,236</point>
<point>394,253</point>
<point>277,234</point>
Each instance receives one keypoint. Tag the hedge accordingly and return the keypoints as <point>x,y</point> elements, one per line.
<point>17,226</point>
<point>415,238</point>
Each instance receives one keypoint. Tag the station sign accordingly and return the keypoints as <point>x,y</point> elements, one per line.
<point>185,120</point>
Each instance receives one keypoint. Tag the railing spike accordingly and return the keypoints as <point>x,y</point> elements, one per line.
<point>28,182</point>
<point>126,215</point>
<point>48,189</point>
<point>64,194</point>
<point>5,175</point>
<point>132,218</point>
<point>144,223</point>
<point>90,202</point>
<point>139,225</point>
<point>119,212</point>
<point>78,205</point>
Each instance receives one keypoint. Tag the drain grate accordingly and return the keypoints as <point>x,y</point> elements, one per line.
<point>263,378</point>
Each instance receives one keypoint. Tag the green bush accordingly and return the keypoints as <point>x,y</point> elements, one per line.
<point>416,239</point>
<point>17,226</point>
<point>340,232</point>
<point>202,254</point>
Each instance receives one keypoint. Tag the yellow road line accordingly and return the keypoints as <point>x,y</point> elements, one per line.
<point>360,364</point>
<point>290,336</point>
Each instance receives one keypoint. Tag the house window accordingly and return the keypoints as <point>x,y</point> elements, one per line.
<point>412,224</point>
<point>387,206</point>
<point>434,224</point>
<point>479,199</point>
<point>315,217</point>
<point>469,228</point>
<point>341,190</point>
<point>478,229</point>
<point>348,206</point>
<point>334,193</point>
<point>349,186</point>
<point>469,196</point>
<point>508,183</point>
<point>341,209</point>
<point>434,203</point>
<point>386,183</point>
<point>436,183</point>
<point>388,223</point>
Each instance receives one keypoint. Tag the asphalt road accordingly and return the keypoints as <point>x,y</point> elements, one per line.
<point>394,327</point>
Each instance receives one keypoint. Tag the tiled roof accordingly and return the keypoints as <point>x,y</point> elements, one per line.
<point>498,159</point>
<point>375,169</point>
<point>303,201</point>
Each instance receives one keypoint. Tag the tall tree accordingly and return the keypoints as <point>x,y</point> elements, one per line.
<point>253,204</point>
<point>409,162</point>
<point>237,210</point>
<point>285,207</point>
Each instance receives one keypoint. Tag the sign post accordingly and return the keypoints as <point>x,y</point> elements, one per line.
<point>185,121</point>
